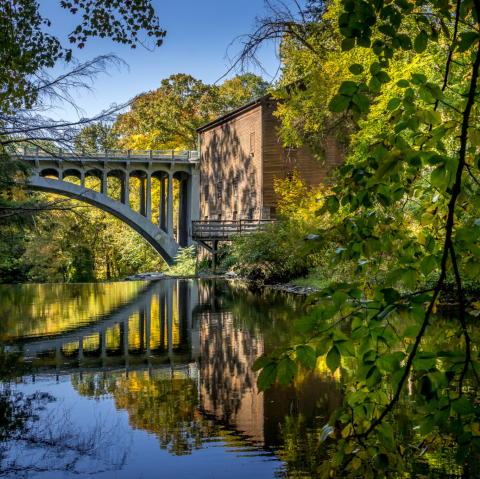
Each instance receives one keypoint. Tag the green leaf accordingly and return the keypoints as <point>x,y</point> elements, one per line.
<point>348,44</point>
<point>403,83</point>
<point>420,42</point>
<point>267,377</point>
<point>467,40</point>
<point>261,362</point>
<point>339,298</point>
<point>356,69</point>
<point>348,88</point>
<point>384,169</point>
<point>380,462</point>
<point>427,424</point>
<point>383,77</point>
<point>412,331</point>
<point>393,104</point>
<point>286,369</point>
<point>345,348</point>
<point>304,324</point>
<point>410,278</point>
<point>333,359</point>
<point>322,347</point>
<point>375,68</point>
<point>462,406</point>
<point>339,103</point>
<point>394,276</point>
<point>427,265</point>
<point>419,79</point>
<point>374,85</point>
<point>307,357</point>
<point>362,102</point>
<point>385,434</point>
<point>374,378</point>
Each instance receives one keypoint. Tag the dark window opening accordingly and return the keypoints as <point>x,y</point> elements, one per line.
<point>206,218</point>
<point>219,218</point>
<point>234,216</point>
<point>206,193</point>
<point>219,191</point>
<point>235,186</point>
<point>235,148</point>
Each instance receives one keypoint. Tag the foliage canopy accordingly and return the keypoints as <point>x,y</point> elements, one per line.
<point>406,205</point>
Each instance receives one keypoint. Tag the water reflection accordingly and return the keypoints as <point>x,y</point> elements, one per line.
<point>172,360</point>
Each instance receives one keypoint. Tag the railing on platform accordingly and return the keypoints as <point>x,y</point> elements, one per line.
<point>223,229</point>
<point>114,155</point>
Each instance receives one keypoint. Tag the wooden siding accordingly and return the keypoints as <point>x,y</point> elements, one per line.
<point>277,160</point>
<point>225,156</point>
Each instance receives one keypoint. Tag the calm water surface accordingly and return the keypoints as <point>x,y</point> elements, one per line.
<point>137,380</point>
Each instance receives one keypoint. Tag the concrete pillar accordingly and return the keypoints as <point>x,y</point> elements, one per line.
<point>193,209</point>
<point>142,197</point>
<point>162,216</point>
<point>148,200</point>
<point>82,179</point>
<point>181,214</point>
<point>170,206</point>
<point>126,189</point>
<point>104,183</point>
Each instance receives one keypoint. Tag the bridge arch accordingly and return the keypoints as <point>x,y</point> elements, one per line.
<point>164,244</point>
<point>49,172</point>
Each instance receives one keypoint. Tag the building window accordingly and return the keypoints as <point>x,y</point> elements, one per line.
<point>206,218</point>
<point>219,191</point>
<point>219,217</point>
<point>289,175</point>
<point>235,186</point>
<point>252,183</point>
<point>206,155</point>
<point>206,193</point>
<point>234,216</point>
<point>252,142</point>
<point>235,148</point>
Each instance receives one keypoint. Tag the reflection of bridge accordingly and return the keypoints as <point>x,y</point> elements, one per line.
<point>156,328</point>
<point>52,168</point>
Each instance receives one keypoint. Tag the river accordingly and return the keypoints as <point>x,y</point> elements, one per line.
<point>154,379</point>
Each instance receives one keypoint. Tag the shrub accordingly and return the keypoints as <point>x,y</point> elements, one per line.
<point>185,262</point>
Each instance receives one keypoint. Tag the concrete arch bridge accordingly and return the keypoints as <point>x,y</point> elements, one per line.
<point>53,169</point>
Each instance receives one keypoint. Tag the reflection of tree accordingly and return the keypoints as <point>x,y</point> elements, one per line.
<point>167,408</point>
<point>52,440</point>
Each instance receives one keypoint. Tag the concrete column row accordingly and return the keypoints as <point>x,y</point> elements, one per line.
<point>188,207</point>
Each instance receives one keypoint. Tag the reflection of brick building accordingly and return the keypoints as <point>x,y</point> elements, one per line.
<point>228,387</point>
<point>241,153</point>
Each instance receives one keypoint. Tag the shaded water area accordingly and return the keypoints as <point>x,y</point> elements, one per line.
<point>136,380</point>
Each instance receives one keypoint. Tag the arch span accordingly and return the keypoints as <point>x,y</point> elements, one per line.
<point>166,247</point>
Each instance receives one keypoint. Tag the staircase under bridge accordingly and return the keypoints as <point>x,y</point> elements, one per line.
<point>54,170</point>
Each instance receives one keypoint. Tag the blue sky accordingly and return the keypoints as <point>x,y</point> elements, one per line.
<point>198,34</point>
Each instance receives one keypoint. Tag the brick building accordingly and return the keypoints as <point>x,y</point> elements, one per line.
<point>240,156</point>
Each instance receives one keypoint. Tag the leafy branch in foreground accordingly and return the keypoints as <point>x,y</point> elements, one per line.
<point>408,207</point>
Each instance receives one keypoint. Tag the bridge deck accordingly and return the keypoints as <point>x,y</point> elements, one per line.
<point>109,155</point>
<point>223,230</point>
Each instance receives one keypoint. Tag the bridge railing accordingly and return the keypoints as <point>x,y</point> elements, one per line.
<point>224,229</point>
<point>114,155</point>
